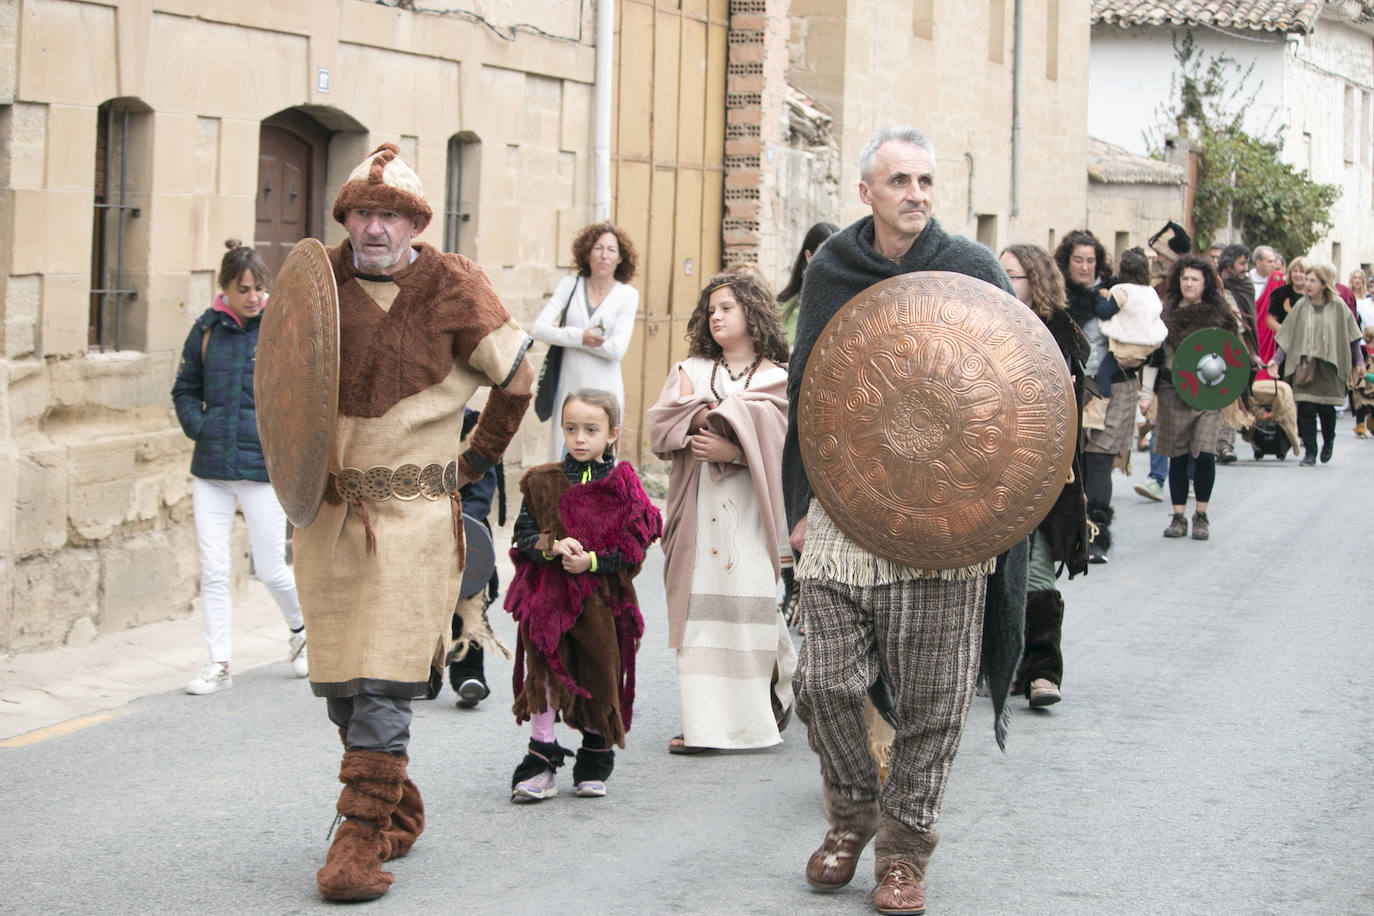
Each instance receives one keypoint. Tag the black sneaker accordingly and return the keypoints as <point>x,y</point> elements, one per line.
<point>471,692</point>
<point>1226,455</point>
<point>1096,554</point>
<point>1327,448</point>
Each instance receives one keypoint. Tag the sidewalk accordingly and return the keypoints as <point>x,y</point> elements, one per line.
<point>44,690</point>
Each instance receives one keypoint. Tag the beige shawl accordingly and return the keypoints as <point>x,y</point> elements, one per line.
<point>756,420</point>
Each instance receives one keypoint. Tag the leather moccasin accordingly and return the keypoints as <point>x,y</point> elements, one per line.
<point>832,866</point>
<point>899,891</point>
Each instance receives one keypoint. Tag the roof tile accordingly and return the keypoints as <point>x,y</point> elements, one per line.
<point>1254,15</point>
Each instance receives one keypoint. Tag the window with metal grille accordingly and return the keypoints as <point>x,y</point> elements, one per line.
<point>112,288</point>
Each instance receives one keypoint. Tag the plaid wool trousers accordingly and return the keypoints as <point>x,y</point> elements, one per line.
<point>925,635</point>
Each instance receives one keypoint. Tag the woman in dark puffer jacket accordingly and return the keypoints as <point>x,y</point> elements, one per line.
<point>213,395</point>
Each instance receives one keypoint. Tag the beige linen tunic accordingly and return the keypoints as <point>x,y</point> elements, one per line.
<point>376,622</point>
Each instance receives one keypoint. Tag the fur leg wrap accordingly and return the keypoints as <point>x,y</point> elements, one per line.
<point>1100,519</point>
<point>407,820</point>
<point>595,759</point>
<point>898,843</point>
<point>372,787</point>
<point>859,816</point>
<point>542,755</point>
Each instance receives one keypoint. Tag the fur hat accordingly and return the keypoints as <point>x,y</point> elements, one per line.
<point>1176,236</point>
<point>383,182</point>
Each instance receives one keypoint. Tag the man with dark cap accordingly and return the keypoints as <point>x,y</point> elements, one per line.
<point>379,569</point>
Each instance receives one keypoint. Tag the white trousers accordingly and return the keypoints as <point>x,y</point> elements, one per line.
<point>214,501</point>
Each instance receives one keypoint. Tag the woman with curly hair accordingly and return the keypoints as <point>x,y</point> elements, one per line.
<point>591,315</point>
<point>1108,422</point>
<point>1062,538</point>
<point>721,419</point>
<point>1192,301</point>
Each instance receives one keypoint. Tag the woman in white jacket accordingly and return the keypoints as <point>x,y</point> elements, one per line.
<point>591,315</point>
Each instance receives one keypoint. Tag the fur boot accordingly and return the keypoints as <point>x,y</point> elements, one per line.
<point>1044,623</point>
<point>595,759</point>
<point>1100,517</point>
<point>407,820</point>
<point>897,842</point>
<point>372,787</point>
<point>901,856</point>
<point>853,824</point>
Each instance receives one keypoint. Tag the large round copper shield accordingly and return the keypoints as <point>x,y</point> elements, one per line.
<point>296,382</point>
<point>937,420</point>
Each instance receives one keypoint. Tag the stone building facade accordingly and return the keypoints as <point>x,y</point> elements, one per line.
<point>135,137</point>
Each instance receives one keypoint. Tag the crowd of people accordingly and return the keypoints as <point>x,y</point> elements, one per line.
<point>420,330</point>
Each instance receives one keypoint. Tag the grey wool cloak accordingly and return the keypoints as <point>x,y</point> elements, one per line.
<point>844,266</point>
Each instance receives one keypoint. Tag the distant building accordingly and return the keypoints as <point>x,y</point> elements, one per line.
<point>1313,67</point>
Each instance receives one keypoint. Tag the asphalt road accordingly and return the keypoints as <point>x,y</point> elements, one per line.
<point>1212,755</point>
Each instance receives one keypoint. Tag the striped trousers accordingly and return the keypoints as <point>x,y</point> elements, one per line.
<point>925,635</point>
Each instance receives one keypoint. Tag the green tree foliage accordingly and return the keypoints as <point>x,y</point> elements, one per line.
<point>1242,182</point>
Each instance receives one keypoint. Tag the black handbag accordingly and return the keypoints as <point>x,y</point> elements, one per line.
<point>548,373</point>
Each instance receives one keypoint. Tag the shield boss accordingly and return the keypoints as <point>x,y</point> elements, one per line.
<point>937,420</point>
<point>296,382</point>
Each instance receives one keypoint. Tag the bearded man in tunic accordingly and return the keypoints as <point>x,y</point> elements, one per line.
<point>866,616</point>
<point>378,570</point>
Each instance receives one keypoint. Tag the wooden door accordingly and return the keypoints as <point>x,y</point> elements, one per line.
<point>284,193</point>
<point>668,177</point>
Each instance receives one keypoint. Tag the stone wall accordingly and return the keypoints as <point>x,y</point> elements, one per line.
<point>946,67</point>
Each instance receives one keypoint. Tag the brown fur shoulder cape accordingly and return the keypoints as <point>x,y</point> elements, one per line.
<point>579,633</point>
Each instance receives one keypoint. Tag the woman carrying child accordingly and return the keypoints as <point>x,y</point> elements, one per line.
<point>721,419</point>
<point>578,544</point>
<point>1136,330</point>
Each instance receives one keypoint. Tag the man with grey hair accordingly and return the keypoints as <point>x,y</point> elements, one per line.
<point>867,616</point>
<point>1265,259</point>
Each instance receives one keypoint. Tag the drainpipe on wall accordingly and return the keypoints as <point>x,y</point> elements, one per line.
<point>1016,61</point>
<point>968,157</point>
<point>601,140</point>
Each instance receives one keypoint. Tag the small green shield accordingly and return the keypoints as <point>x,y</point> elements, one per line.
<point>1211,369</point>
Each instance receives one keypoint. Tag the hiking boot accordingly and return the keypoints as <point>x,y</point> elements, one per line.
<point>212,677</point>
<point>1200,527</point>
<point>1152,488</point>
<point>1360,431</point>
<point>296,655</point>
<point>1178,526</point>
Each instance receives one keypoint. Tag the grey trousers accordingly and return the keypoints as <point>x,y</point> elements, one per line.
<point>372,723</point>
<point>925,634</point>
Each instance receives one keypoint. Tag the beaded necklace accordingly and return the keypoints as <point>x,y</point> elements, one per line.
<point>747,373</point>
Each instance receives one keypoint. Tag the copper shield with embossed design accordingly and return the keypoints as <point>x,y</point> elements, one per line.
<point>296,381</point>
<point>937,420</point>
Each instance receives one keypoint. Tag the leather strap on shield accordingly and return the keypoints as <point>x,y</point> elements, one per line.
<point>296,382</point>
<point>937,420</point>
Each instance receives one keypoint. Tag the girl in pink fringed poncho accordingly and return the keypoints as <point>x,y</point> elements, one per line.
<point>579,541</point>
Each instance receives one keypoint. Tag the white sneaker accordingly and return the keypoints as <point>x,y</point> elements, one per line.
<point>536,788</point>
<point>212,677</point>
<point>296,656</point>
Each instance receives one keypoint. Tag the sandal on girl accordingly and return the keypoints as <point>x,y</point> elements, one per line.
<point>676,745</point>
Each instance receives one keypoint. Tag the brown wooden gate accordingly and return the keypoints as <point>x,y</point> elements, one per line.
<point>667,173</point>
<point>291,149</point>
